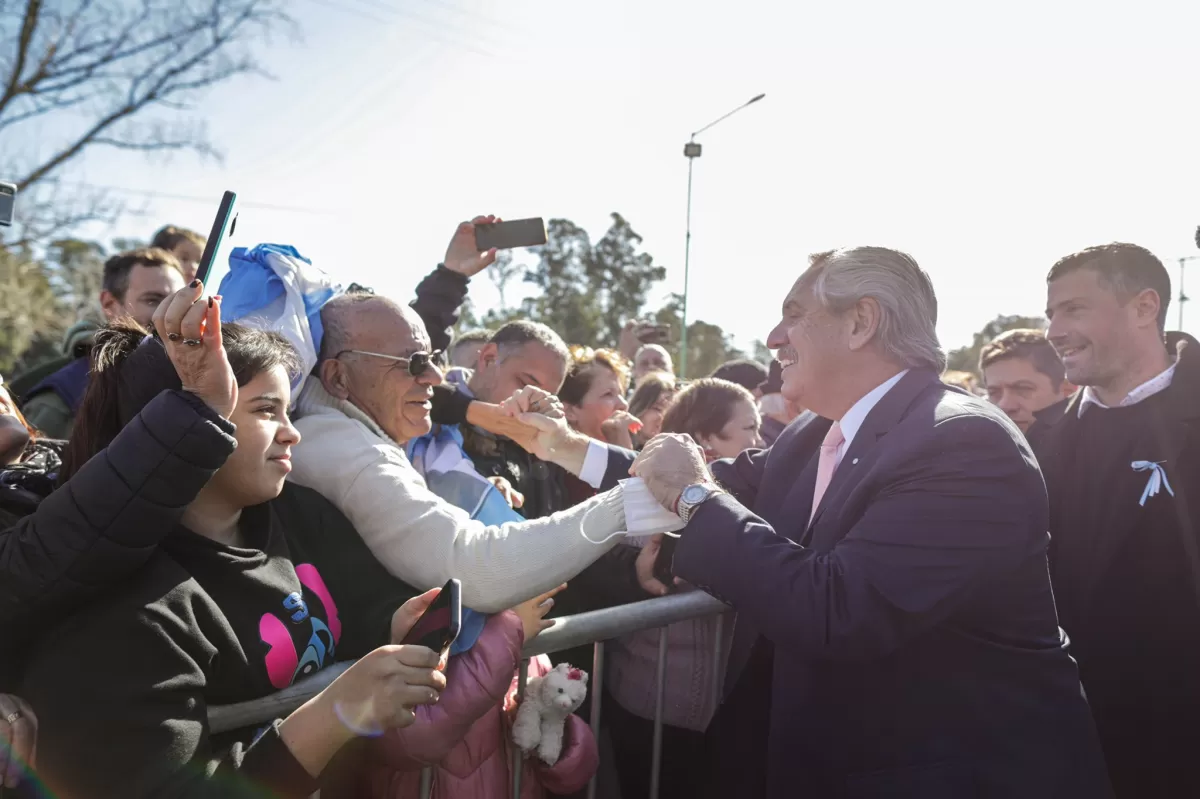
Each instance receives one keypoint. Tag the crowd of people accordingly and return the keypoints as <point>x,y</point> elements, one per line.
<point>935,589</point>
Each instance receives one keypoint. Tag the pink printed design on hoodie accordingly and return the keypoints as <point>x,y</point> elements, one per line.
<point>283,663</point>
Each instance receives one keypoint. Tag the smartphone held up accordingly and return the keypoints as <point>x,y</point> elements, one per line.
<point>510,235</point>
<point>223,225</point>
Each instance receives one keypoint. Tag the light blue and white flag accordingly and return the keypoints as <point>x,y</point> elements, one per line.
<point>274,287</point>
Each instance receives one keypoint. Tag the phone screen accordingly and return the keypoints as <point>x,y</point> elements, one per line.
<point>509,235</point>
<point>221,228</point>
<point>438,627</point>
<point>8,201</point>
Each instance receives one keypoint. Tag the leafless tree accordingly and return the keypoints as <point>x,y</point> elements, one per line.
<point>82,74</point>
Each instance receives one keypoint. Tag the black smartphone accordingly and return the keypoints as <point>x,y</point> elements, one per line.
<point>221,225</point>
<point>8,203</point>
<point>439,626</point>
<point>508,235</point>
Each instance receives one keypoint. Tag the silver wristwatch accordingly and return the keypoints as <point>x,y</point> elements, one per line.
<point>695,495</point>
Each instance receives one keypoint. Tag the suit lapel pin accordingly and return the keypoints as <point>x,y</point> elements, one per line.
<point>1157,480</point>
<point>854,462</point>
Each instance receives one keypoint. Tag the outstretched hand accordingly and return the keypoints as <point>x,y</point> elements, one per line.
<point>463,256</point>
<point>190,329</point>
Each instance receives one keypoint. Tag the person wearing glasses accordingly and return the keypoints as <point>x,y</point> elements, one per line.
<point>374,384</point>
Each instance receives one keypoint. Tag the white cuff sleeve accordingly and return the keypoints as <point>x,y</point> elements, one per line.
<point>595,464</point>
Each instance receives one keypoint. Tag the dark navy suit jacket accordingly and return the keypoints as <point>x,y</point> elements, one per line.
<point>916,648</point>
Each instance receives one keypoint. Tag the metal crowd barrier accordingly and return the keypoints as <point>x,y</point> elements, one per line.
<point>569,632</point>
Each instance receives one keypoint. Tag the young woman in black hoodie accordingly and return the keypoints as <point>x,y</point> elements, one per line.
<point>257,585</point>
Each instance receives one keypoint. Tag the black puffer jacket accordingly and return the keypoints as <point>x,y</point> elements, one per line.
<point>106,521</point>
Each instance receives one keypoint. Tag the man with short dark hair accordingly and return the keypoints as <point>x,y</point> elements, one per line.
<point>134,284</point>
<point>1023,375</point>
<point>746,373</point>
<point>1122,464</point>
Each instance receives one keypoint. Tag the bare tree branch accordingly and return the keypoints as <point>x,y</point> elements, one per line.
<point>124,67</point>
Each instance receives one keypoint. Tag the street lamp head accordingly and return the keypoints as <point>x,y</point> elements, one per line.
<point>757,98</point>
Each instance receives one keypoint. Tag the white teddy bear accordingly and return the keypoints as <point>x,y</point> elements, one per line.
<point>543,712</point>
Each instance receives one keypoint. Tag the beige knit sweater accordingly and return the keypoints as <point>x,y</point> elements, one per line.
<point>420,537</point>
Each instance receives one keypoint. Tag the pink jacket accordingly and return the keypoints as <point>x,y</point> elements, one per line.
<point>466,735</point>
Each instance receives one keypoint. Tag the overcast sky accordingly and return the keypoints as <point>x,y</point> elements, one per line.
<point>985,139</point>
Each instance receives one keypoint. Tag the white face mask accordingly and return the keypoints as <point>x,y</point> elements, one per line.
<point>651,516</point>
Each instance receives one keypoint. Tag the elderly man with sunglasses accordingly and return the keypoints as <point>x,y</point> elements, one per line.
<point>373,394</point>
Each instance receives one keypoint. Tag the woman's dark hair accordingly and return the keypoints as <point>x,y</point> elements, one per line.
<point>130,368</point>
<point>652,388</point>
<point>579,373</point>
<point>704,407</point>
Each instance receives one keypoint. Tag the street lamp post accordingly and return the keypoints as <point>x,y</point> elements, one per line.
<point>1183,298</point>
<point>691,151</point>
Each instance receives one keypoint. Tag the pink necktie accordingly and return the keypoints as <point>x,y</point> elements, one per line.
<point>826,465</point>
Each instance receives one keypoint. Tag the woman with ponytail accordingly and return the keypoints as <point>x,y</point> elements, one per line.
<point>247,584</point>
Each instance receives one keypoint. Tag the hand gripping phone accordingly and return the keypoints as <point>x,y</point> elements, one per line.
<point>439,626</point>
<point>224,222</point>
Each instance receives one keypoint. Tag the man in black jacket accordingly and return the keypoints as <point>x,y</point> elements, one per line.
<point>1122,465</point>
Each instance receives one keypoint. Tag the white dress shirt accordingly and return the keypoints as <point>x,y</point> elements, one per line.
<point>852,420</point>
<point>1154,385</point>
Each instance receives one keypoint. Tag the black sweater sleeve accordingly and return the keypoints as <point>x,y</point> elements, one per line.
<point>449,405</point>
<point>120,697</point>
<point>439,296</point>
<point>108,519</point>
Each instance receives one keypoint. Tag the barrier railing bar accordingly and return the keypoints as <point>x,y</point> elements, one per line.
<point>567,633</point>
<point>517,764</point>
<point>718,660</point>
<point>660,686</point>
<point>597,685</point>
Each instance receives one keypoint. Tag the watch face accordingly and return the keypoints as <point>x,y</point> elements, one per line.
<point>694,493</point>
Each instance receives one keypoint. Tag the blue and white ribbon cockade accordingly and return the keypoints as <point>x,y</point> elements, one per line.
<point>1158,478</point>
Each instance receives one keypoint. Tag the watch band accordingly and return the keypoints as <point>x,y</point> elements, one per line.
<point>686,509</point>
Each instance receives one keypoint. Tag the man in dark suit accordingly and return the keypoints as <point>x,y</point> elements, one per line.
<point>887,559</point>
<point>1122,465</point>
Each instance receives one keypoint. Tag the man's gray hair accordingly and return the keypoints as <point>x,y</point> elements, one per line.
<point>338,314</point>
<point>908,306</point>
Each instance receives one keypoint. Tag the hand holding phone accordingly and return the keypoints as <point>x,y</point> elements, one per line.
<point>509,235</point>
<point>439,626</point>
<point>654,334</point>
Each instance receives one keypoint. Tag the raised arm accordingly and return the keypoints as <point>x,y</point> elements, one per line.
<point>424,540</point>
<point>440,295</point>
